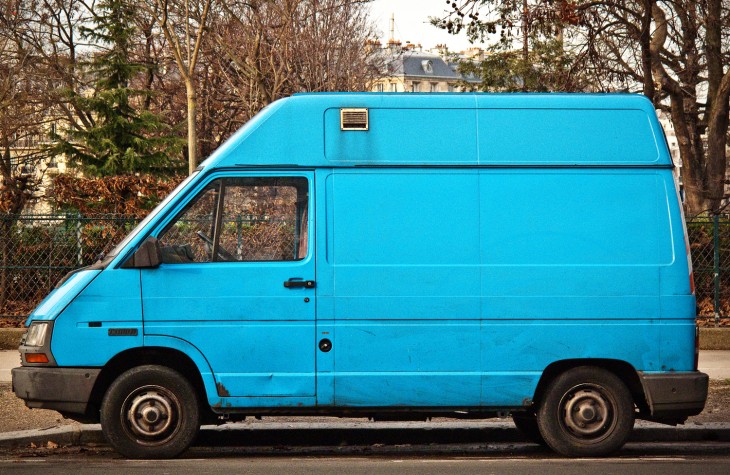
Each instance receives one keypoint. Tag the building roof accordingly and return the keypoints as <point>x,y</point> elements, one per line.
<point>425,65</point>
<point>419,65</point>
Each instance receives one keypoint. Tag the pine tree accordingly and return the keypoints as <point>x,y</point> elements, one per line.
<point>121,139</point>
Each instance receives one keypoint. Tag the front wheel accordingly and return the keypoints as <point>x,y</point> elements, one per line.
<point>586,412</point>
<point>150,412</point>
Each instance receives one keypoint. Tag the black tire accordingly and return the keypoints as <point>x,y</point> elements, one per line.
<point>526,422</point>
<point>150,412</point>
<point>586,412</point>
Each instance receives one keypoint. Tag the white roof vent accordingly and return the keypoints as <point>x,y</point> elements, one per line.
<point>354,119</point>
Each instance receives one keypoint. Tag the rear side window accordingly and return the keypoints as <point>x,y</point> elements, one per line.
<point>241,219</point>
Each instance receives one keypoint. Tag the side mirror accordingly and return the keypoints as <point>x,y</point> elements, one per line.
<point>147,256</point>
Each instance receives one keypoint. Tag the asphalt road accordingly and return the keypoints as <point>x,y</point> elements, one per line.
<point>667,459</point>
<point>715,363</point>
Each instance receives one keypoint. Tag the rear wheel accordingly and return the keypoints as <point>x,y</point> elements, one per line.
<point>150,412</point>
<point>586,411</point>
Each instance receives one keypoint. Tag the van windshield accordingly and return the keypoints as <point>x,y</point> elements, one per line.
<point>152,215</point>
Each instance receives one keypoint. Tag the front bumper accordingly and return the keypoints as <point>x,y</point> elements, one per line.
<point>61,389</point>
<point>675,396</point>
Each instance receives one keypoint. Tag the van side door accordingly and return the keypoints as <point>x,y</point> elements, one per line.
<point>406,265</point>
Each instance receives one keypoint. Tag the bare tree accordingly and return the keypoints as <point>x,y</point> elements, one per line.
<point>23,123</point>
<point>184,24</point>
<point>272,48</point>
<point>53,33</point>
<point>38,57</point>
<point>263,50</point>
<point>532,47</point>
<point>676,52</point>
<point>329,52</point>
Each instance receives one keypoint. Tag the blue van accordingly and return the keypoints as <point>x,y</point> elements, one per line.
<point>396,256</point>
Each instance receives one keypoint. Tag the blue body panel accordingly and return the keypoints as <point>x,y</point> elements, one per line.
<point>451,129</point>
<point>111,301</point>
<point>61,296</point>
<point>460,246</point>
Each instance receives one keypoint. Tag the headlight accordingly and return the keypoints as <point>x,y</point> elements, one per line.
<point>36,334</point>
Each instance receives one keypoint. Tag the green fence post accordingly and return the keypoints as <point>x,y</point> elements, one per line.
<point>239,235</point>
<point>716,265</point>
<point>51,257</point>
<point>79,247</point>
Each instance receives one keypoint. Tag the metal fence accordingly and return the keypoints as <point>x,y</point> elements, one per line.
<point>709,238</point>
<point>37,250</point>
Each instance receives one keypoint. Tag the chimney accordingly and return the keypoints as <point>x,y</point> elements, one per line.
<point>392,28</point>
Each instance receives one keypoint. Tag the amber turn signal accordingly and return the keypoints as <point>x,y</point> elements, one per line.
<point>36,358</point>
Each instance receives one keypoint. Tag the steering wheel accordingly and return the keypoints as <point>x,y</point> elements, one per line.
<point>222,253</point>
<point>205,238</point>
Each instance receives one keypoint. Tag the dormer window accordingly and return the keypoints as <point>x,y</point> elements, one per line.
<point>427,66</point>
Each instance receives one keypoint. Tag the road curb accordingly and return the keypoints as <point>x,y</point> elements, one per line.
<point>714,338</point>
<point>711,431</point>
<point>303,434</point>
<point>71,435</point>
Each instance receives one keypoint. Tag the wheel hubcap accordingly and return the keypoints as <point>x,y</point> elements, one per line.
<point>151,414</point>
<point>587,412</point>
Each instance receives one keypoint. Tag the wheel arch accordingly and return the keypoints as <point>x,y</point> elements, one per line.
<point>621,369</point>
<point>191,364</point>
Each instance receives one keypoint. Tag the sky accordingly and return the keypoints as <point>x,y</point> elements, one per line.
<point>411,23</point>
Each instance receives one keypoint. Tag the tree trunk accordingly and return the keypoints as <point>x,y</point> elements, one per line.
<point>645,41</point>
<point>716,112</point>
<point>192,132</point>
<point>699,179</point>
<point>525,43</point>
<point>695,176</point>
<point>717,126</point>
<point>716,162</point>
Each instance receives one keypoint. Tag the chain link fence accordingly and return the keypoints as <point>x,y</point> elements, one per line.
<point>36,251</point>
<point>709,238</point>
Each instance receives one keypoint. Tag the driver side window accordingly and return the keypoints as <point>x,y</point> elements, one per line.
<point>241,219</point>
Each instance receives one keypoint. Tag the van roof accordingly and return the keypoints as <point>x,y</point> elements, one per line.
<point>450,129</point>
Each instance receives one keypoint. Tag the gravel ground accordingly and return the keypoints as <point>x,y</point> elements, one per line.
<point>717,408</point>
<point>15,416</point>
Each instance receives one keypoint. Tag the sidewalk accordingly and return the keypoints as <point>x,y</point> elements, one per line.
<point>9,359</point>
<point>715,363</point>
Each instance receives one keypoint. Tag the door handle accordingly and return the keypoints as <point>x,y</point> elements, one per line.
<point>307,284</point>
